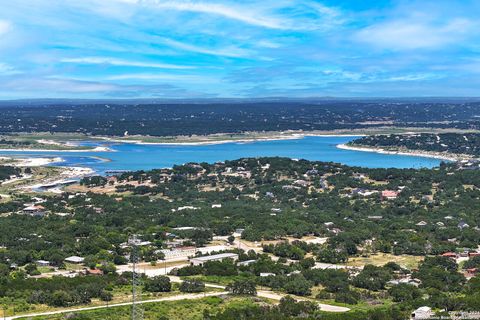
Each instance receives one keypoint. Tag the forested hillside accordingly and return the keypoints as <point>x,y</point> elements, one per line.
<point>201,119</point>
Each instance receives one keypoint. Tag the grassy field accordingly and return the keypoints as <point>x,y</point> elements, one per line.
<point>120,295</point>
<point>172,310</point>
<point>380,259</point>
<point>221,280</point>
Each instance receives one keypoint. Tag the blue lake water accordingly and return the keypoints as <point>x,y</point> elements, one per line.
<point>143,157</point>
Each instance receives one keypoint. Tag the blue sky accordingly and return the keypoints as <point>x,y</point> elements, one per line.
<point>202,49</point>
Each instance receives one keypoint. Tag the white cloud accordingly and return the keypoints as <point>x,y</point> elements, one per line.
<point>229,51</point>
<point>242,14</point>
<point>59,85</point>
<point>4,27</point>
<point>121,62</point>
<point>268,44</point>
<point>6,70</point>
<point>278,14</point>
<point>160,76</point>
<point>407,34</point>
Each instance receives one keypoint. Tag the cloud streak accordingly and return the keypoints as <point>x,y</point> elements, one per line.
<point>414,34</point>
<point>241,14</point>
<point>226,51</point>
<point>121,62</point>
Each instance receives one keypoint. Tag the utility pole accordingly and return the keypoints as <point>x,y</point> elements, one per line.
<point>137,310</point>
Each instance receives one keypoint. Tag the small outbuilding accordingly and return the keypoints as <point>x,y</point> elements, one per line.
<point>74,259</point>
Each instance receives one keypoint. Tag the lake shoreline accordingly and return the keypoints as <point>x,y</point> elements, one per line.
<point>72,140</point>
<point>132,157</point>
<point>295,136</point>
<point>423,154</point>
<point>96,149</point>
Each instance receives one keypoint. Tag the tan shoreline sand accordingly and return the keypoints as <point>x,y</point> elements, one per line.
<point>96,149</point>
<point>34,162</point>
<point>287,136</point>
<point>425,154</point>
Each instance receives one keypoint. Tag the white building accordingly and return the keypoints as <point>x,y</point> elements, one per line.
<point>422,313</point>
<point>42,263</point>
<point>179,253</point>
<point>198,261</point>
<point>74,259</point>
<point>267,274</point>
<point>246,263</point>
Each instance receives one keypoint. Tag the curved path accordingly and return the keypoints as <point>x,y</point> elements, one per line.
<point>171,298</point>
<point>261,293</point>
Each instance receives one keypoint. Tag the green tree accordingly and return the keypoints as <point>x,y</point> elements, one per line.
<point>158,284</point>
<point>246,287</point>
<point>404,292</point>
<point>192,286</point>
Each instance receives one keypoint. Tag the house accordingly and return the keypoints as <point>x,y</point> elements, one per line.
<point>34,210</point>
<point>138,243</point>
<point>184,228</point>
<point>239,231</point>
<point>198,261</point>
<point>38,200</point>
<point>474,254</point>
<point>42,263</point>
<point>389,194</point>
<point>216,205</point>
<point>363,192</point>
<point>323,184</point>
<point>301,183</point>
<point>312,172</point>
<point>428,197</point>
<point>421,223</point>
<point>409,281</point>
<point>359,176</point>
<point>471,272</point>
<point>74,259</point>
<point>94,272</point>
<point>452,255</point>
<point>366,193</point>
<point>267,274</point>
<point>422,313</point>
<point>375,217</point>
<point>245,263</point>
<point>290,187</point>
<point>335,230</point>
<point>462,225</point>
<point>187,208</point>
